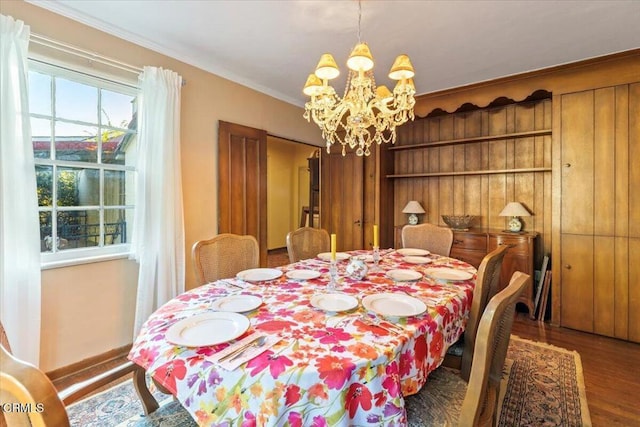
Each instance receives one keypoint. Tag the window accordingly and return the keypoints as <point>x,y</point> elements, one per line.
<point>84,143</point>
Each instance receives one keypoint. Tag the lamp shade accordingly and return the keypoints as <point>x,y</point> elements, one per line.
<point>360,58</point>
<point>514,209</point>
<point>413,207</point>
<point>401,68</point>
<point>327,68</point>
<point>313,85</point>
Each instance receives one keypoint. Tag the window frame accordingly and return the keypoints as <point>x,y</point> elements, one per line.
<point>101,252</point>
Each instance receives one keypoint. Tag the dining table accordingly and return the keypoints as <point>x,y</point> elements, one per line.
<point>292,346</point>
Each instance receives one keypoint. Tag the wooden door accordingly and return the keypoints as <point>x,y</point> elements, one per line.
<point>242,180</point>
<point>341,198</point>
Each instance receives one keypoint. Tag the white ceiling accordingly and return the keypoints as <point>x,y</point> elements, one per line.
<point>272,46</point>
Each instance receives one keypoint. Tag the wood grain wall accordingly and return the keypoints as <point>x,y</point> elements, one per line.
<point>464,176</point>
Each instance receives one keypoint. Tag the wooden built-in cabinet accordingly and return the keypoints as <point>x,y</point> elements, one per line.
<point>599,175</point>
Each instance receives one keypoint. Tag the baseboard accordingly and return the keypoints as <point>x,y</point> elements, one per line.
<point>90,362</point>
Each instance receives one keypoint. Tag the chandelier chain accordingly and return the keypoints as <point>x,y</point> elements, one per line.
<point>359,19</point>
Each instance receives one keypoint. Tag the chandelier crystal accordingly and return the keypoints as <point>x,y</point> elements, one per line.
<point>367,113</point>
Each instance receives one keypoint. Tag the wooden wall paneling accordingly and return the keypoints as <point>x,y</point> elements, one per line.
<point>577,282</point>
<point>577,163</point>
<point>634,155</point>
<point>634,290</point>
<point>621,154</point>
<point>459,165</point>
<point>557,172</point>
<point>433,186</point>
<point>603,290</point>
<point>604,162</point>
<point>497,160</point>
<point>445,190</point>
<point>621,288</point>
<point>473,161</point>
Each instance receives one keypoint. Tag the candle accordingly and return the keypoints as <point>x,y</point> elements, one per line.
<point>333,247</point>
<point>375,236</point>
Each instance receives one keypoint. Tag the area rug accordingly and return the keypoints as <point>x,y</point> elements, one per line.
<point>543,385</point>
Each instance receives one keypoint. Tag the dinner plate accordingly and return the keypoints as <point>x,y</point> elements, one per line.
<point>401,275</point>
<point>302,274</point>
<point>259,274</point>
<point>413,252</point>
<point>237,303</point>
<point>334,302</point>
<point>340,256</point>
<point>416,259</point>
<point>449,274</point>
<point>396,305</point>
<point>207,329</point>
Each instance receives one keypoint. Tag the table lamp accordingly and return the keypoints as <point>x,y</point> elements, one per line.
<point>413,208</point>
<point>515,210</point>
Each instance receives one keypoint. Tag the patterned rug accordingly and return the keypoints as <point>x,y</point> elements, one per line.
<point>543,386</point>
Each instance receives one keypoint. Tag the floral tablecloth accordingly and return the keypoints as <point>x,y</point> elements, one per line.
<point>328,369</point>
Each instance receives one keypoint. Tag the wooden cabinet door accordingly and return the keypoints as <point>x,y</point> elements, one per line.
<point>600,211</point>
<point>341,198</point>
<point>577,282</point>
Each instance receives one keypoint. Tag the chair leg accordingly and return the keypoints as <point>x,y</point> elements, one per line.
<point>149,403</point>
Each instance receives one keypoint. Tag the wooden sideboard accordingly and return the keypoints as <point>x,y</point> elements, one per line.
<point>471,246</point>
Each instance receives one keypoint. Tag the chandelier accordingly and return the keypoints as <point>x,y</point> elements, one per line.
<point>366,113</point>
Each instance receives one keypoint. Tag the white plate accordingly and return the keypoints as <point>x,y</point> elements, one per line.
<point>400,275</point>
<point>443,273</point>
<point>259,274</point>
<point>302,274</point>
<point>413,252</point>
<point>207,329</point>
<point>396,305</point>
<point>334,302</point>
<point>340,256</point>
<point>417,259</point>
<point>237,303</point>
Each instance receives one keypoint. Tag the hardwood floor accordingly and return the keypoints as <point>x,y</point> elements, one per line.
<point>611,370</point>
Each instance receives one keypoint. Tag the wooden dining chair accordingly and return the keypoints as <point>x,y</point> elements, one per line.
<point>307,242</point>
<point>460,354</point>
<point>435,239</point>
<point>224,256</point>
<point>23,383</point>
<point>479,404</point>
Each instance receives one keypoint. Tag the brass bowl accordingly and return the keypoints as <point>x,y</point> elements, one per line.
<point>458,222</point>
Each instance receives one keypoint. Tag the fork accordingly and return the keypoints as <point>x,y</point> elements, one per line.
<point>234,354</point>
<point>255,344</point>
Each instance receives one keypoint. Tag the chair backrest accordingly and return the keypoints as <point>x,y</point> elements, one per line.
<point>487,281</point>
<point>307,242</point>
<point>224,256</point>
<point>433,238</point>
<point>480,402</point>
<point>24,384</point>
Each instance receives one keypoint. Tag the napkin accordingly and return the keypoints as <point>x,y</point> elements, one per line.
<point>248,354</point>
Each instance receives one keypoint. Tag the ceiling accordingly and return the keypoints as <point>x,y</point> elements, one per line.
<point>272,46</point>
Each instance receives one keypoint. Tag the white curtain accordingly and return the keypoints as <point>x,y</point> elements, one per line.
<point>19,227</point>
<point>158,234</point>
